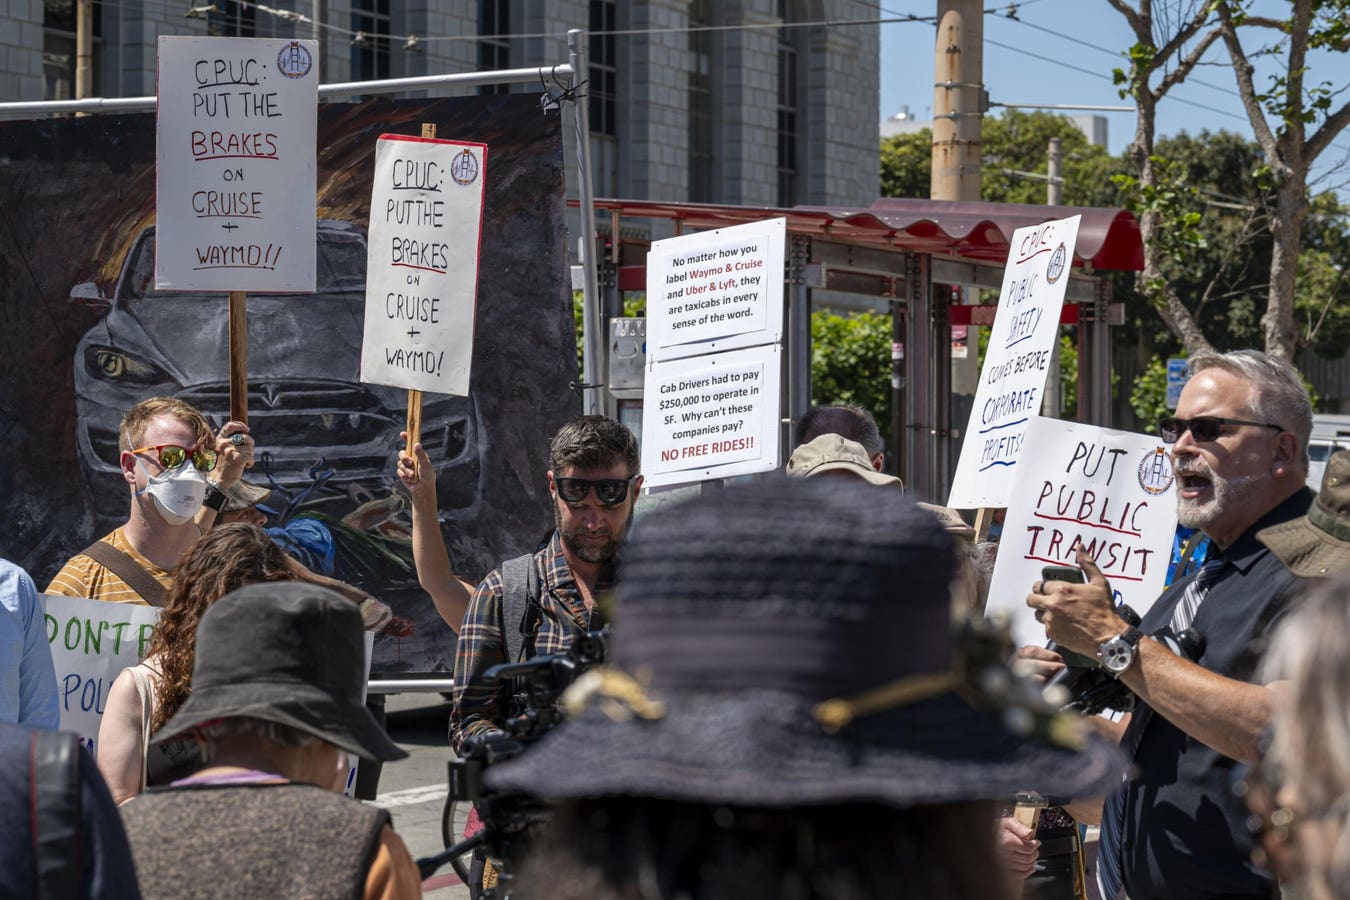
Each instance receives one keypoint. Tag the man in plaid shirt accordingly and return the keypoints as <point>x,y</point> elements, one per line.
<point>593,483</point>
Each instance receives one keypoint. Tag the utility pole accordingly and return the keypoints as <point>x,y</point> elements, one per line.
<point>1053,401</point>
<point>958,100</point>
<point>84,49</point>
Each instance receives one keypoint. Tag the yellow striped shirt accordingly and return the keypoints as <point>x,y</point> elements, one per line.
<point>82,577</point>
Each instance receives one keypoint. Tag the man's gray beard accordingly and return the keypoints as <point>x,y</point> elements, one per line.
<point>600,554</point>
<point>1229,493</point>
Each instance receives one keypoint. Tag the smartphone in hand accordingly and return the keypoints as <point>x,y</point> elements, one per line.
<point>1071,574</point>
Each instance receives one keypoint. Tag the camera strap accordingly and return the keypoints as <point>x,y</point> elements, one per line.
<point>520,605</point>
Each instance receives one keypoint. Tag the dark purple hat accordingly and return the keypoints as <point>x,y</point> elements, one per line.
<point>789,642</point>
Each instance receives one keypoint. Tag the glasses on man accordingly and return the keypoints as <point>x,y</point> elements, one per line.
<point>1202,428</point>
<point>609,491</point>
<point>171,456</point>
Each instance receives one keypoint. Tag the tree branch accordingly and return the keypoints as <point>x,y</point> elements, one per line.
<point>1326,133</point>
<point>1183,35</point>
<point>1141,30</point>
<point>1242,69</point>
<point>1186,64</point>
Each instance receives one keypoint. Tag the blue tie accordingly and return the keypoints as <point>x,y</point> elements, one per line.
<point>1110,865</point>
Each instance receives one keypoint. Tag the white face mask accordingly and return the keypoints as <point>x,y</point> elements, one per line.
<point>177,492</point>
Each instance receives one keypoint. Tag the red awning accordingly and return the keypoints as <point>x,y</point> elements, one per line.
<point>1107,238</point>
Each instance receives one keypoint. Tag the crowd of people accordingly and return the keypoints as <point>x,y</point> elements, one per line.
<point>802,698</point>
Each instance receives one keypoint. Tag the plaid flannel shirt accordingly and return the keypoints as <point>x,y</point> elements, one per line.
<point>478,708</point>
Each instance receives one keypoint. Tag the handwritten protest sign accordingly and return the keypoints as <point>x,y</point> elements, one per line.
<point>92,641</point>
<point>235,163</point>
<point>426,214</point>
<point>711,416</point>
<point>716,290</point>
<point>1110,491</point>
<point>1015,366</point>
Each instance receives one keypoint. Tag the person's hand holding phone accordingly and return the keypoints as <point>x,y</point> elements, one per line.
<point>1080,617</point>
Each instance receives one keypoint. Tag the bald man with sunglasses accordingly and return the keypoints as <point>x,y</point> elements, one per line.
<point>176,469</point>
<point>593,484</point>
<point>1239,453</point>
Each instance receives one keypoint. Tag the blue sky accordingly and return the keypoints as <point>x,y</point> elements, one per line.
<point>1063,51</point>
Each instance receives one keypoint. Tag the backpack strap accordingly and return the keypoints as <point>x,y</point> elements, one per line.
<point>54,765</point>
<point>520,607</point>
<point>126,568</point>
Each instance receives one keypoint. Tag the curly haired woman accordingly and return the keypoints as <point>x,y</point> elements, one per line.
<point>225,558</point>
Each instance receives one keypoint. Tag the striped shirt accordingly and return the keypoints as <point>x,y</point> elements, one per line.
<point>478,708</point>
<point>82,577</point>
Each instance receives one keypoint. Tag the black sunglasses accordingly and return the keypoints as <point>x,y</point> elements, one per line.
<point>609,491</point>
<point>1202,428</point>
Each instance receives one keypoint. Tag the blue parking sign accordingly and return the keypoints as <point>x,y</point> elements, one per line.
<point>1177,376</point>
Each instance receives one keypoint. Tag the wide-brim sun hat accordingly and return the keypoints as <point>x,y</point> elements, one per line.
<point>789,643</point>
<point>286,652</point>
<point>835,453</point>
<point>243,495</point>
<point>1317,545</point>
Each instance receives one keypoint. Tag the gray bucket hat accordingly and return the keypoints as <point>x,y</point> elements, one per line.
<point>284,652</point>
<point>790,643</point>
<point>1317,545</point>
<point>835,453</point>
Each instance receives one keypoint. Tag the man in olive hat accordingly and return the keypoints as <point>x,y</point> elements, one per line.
<point>1317,545</point>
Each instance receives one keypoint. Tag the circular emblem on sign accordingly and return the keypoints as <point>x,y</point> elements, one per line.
<point>464,167</point>
<point>1155,472</point>
<point>1055,267</point>
<point>295,60</point>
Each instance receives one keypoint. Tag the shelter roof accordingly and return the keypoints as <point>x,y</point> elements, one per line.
<point>1107,238</point>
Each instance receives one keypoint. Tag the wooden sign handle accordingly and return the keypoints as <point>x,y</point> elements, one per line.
<point>238,356</point>
<point>984,517</point>
<point>415,396</point>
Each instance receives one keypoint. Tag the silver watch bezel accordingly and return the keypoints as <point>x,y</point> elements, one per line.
<point>1117,654</point>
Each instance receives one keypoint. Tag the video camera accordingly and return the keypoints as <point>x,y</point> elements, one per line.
<point>1092,689</point>
<point>531,689</point>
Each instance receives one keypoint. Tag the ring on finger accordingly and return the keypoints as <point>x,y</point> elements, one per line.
<point>237,439</point>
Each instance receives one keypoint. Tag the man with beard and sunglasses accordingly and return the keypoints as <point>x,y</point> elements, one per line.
<point>176,470</point>
<point>1175,829</point>
<point>593,484</point>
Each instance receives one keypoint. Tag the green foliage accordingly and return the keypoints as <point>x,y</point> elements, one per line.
<point>851,362</point>
<point>1148,397</point>
<point>634,304</point>
<point>907,164</point>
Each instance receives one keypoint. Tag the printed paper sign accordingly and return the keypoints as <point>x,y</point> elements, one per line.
<point>1015,366</point>
<point>716,290</point>
<point>1110,491</point>
<point>92,642</point>
<point>710,416</point>
<point>426,214</point>
<point>235,161</point>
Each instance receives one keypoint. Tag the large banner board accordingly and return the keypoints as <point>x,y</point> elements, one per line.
<point>1109,491</point>
<point>235,145</point>
<point>81,311</point>
<point>426,216</point>
<point>1012,380</point>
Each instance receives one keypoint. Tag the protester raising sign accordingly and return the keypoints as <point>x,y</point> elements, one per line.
<point>1108,491</point>
<point>426,214</point>
<point>1013,377</point>
<point>92,641</point>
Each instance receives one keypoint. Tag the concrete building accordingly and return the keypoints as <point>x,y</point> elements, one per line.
<point>745,112</point>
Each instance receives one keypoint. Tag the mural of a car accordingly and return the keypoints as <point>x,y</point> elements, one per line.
<point>308,411</point>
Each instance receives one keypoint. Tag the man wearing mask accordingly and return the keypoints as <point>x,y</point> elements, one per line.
<point>176,471</point>
<point>592,484</point>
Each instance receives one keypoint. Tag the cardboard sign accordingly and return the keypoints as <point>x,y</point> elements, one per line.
<point>426,215</point>
<point>92,642</point>
<point>1016,364</point>
<point>1111,491</point>
<point>711,416</point>
<point>716,290</point>
<point>235,161</point>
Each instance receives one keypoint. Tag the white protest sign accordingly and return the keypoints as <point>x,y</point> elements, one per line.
<point>235,162</point>
<point>711,416</point>
<point>716,290</point>
<point>1110,491</point>
<point>92,642</point>
<point>1019,357</point>
<point>426,214</point>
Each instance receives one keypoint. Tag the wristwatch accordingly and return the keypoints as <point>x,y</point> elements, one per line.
<point>1117,654</point>
<point>215,497</point>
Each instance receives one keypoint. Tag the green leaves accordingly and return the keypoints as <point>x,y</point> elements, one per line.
<point>851,362</point>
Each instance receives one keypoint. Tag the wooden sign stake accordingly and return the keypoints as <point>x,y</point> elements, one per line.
<point>984,517</point>
<point>415,396</point>
<point>239,356</point>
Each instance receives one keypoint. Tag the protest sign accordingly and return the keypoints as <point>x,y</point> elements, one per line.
<point>426,213</point>
<point>711,416</point>
<point>92,641</point>
<point>1015,366</point>
<point>235,163</point>
<point>1110,491</point>
<point>716,290</point>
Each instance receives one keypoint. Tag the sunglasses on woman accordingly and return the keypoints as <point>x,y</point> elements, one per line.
<point>171,456</point>
<point>609,491</point>
<point>1202,428</point>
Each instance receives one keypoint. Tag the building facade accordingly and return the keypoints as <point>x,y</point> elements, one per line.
<point>748,102</point>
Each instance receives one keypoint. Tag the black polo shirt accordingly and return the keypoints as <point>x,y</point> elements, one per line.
<point>1185,836</point>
